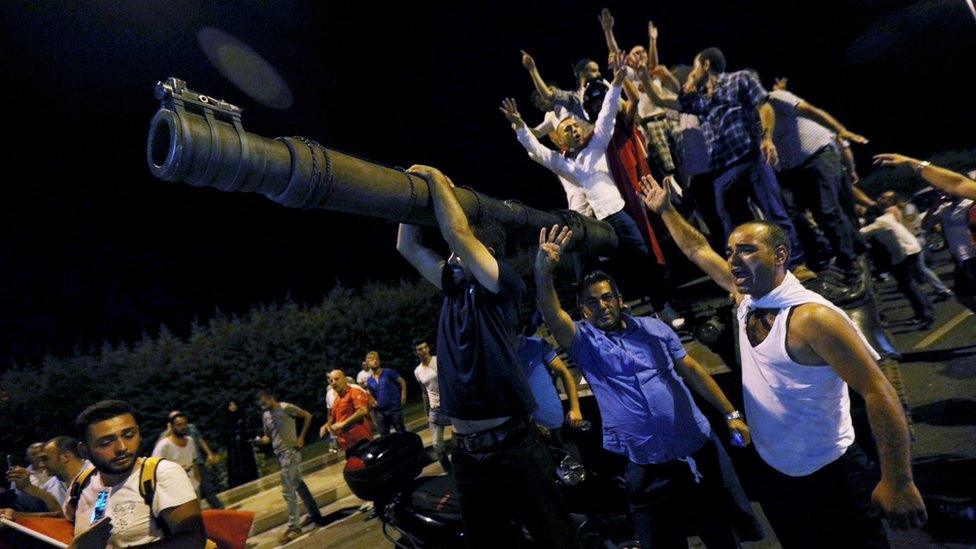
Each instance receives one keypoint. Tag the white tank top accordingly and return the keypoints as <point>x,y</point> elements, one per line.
<point>799,415</point>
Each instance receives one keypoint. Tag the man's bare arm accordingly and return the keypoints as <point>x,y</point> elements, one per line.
<point>831,337</point>
<point>606,23</point>
<point>767,118</point>
<point>551,245</point>
<point>427,262</point>
<point>185,524</point>
<point>572,393</point>
<point>825,119</point>
<point>949,181</point>
<point>692,243</point>
<point>657,98</point>
<point>703,384</point>
<point>544,89</point>
<point>456,230</point>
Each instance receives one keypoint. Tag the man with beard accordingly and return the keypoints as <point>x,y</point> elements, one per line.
<point>638,370</point>
<point>179,447</point>
<point>109,435</point>
<point>503,471</point>
<point>798,354</point>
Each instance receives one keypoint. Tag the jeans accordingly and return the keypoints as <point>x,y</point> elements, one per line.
<point>925,274</point>
<point>436,423</point>
<point>662,495</point>
<point>207,488</point>
<point>390,419</point>
<point>816,186</point>
<point>512,480</point>
<point>291,482</point>
<point>628,233</point>
<point>830,507</point>
<point>752,177</point>
<point>906,273</point>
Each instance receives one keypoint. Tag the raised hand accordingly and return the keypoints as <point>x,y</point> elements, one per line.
<point>527,61</point>
<point>510,110</point>
<point>651,31</point>
<point>606,20</point>
<point>618,64</point>
<point>656,197</point>
<point>893,160</point>
<point>852,137</point>
<point>551,246</point>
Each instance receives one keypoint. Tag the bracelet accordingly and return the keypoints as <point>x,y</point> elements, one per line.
<point>734,414</point>
<point>921,166</point>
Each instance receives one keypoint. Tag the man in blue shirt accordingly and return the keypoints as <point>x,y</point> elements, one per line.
<point>637,369</point>
<point>390,392</point>
<point>537,358</point>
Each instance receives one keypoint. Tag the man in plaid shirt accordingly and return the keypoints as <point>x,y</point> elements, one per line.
<point>737,123</point>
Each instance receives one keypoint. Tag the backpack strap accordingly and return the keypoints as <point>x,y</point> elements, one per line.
<point>78,485</point>
<point>147,479</point>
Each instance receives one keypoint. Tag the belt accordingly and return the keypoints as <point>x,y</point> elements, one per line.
<point>653,118</point>
<point>485,440</point>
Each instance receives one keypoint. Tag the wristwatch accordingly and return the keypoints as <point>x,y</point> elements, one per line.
<point>921,166</point>
<point>734,414</point>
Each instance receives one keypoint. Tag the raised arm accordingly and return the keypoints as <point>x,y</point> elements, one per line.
<point>656,97</point>
<point>652,55</point>
<point>693,244</point>
<point>551,246</point>
<point>949,181</point>
<point>540,85</point>
<point>427,262</point>
<point>606,23</point>
<point>824,118</point>
<point>574,416</point>
<point>456,230</point>
<point>603,129</point>
<point>831,337</point>
<point>537,151</point>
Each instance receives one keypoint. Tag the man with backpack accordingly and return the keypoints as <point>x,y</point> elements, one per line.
<point>127,500</point>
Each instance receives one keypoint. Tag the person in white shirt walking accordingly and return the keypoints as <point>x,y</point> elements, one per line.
<point>426,374</point>
<point>178,446</point>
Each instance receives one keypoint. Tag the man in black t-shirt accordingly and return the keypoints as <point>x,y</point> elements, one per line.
<point>503,471</point>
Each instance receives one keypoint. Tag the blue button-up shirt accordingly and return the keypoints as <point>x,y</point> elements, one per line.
<point>648,413</point>
<point>729,118</point>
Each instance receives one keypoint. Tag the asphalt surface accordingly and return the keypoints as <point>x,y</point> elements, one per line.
<point>938,374</point>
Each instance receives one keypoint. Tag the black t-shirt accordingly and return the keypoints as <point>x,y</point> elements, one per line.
<point>477,366</point>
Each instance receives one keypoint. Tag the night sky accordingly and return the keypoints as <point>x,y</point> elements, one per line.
<point>96,249</point>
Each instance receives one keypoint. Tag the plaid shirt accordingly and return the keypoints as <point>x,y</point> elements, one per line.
<point>729,118</point>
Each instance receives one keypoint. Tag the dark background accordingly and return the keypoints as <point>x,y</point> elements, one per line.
<point>95,249</point>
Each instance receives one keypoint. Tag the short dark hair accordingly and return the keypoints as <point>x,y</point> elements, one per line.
<point>580,65</point>
<point>100,411</point>
<point>264,392</point>
<point>173,416</point>
<point>492,235</point>
<point>715,57</point>
<point>776,236</point>
<point>66,445</point>
<point>595,277</point>
<point>419,342</point>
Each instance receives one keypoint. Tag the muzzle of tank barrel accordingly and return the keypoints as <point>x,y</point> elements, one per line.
<point>200,140</point>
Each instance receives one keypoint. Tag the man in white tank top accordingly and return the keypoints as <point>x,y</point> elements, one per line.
<point>799,353</point>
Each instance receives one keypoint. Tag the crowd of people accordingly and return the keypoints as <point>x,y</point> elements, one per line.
<point>757,188</point>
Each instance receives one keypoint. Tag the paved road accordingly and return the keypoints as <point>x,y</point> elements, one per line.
<point>939,375</point>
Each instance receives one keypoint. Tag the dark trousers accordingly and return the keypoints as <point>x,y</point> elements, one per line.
<point>752,177</point>
<point>830,507</point>
<point>906,273</point>
<point>815,186</point>
<point>390,419</point>
<point>663,495</point>
<point>513,480</point>
<point>207,488</point>
<point>628,234</point>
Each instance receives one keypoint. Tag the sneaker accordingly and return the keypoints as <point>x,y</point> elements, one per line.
<point>290,535</point>
<point>943,296</point>
<point>803,273</point>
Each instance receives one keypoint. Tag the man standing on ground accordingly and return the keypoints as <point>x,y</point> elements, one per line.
<point>278,420</point>
<point>799,352</point>
<point>503,471</point>
<point>179,447</point>
<point>426,374</point>
<point>110,437</point>
<point>390,392</point>
<point>349,413</point>
<point>638,370</point>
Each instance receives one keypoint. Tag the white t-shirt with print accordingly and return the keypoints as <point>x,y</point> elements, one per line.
<point>131,520</point>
